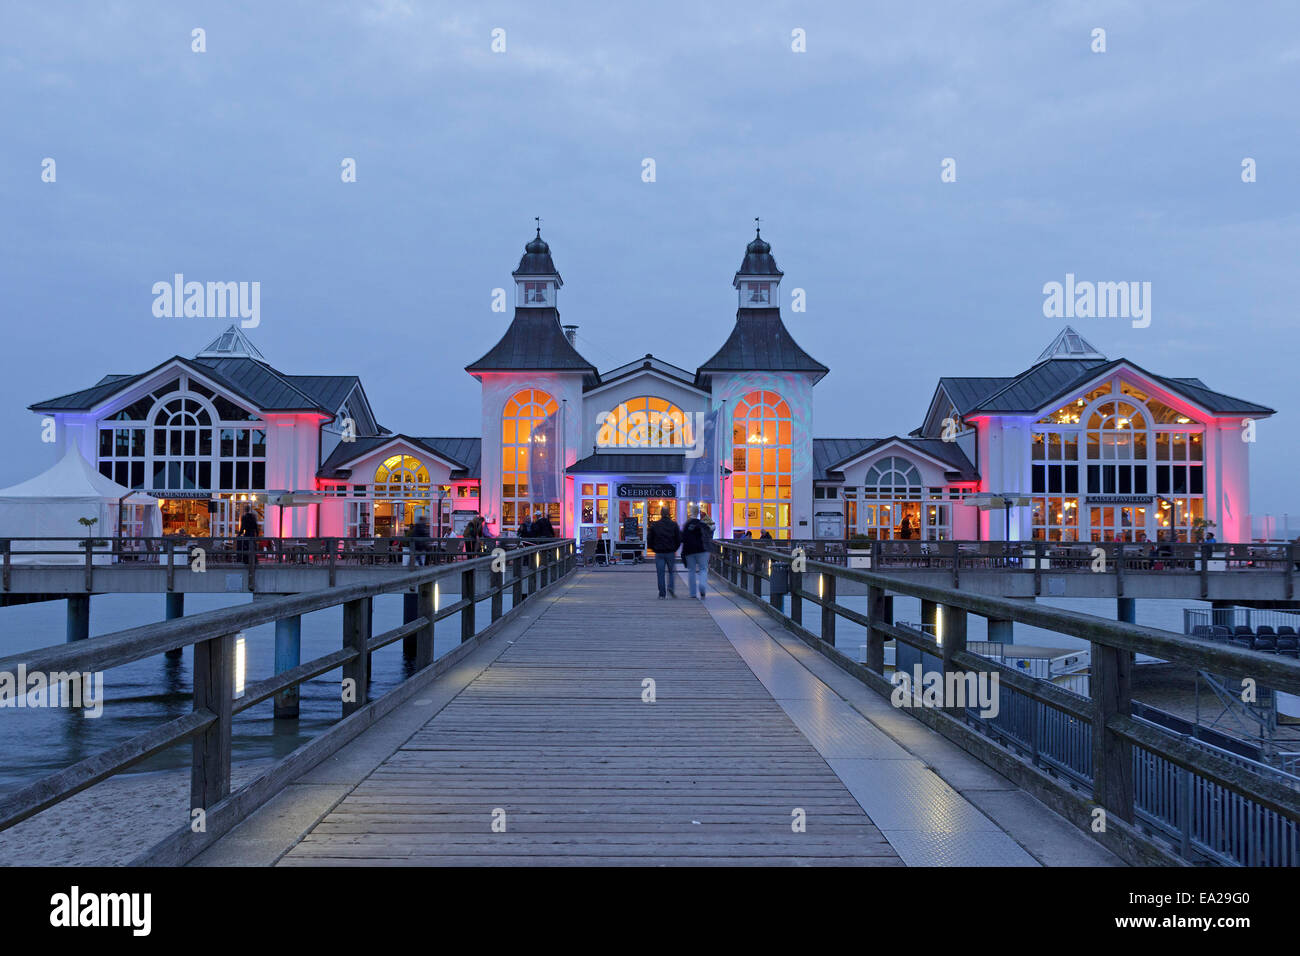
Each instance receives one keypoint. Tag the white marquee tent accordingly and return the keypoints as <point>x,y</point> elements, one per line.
<point>49,505</point>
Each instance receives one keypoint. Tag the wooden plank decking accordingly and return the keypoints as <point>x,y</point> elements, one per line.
<point>555,734</point>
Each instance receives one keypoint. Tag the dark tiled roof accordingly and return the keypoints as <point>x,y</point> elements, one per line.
<point>630,463</point>
<point>330,391</point>
<point>464,452</point>
<point>467,451</point>
<point>967,392</point>
<point>760,342</point>
<point>87,398</point>
<point>1035,387</point>
<point>534,340</point>
<point>1052,380</point>
<point>259,383</point>
<point>255,382</point>
<point>1198,392</point>
<point>830,453</point>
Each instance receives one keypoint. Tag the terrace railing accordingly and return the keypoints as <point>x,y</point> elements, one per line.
<point>178,552</point>
<point>1207,804</point>
<point>522,572</point>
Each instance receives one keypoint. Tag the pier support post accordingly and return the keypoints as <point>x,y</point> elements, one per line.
<point>1126,610</point>
<point>288,655</point>
<point>410,611</point>
<point>954,641</point>
<point>175,608</point>
<point>78,617</point>
<point>1001,632</point>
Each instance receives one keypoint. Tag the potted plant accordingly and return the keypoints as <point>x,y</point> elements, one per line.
<point>88,524</point>
<point>859,550</point>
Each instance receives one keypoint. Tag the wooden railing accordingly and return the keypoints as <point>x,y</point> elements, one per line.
<point>1262,825</point>
<point>1037,558</point>
<point>250,553</point>
<point>522,572</point>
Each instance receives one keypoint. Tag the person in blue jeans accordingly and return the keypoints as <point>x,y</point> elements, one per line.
<point>664,538</point>
<point>695,553</point>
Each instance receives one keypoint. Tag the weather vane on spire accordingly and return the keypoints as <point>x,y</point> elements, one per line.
<point>539,226</point>
<point>757,226</point>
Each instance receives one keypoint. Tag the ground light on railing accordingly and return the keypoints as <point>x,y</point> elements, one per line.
<point>938,625</point>
<point>241,663</point>
<point>821,579</point>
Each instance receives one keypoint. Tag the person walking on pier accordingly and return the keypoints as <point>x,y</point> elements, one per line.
<point>542,527</point>
<point>664,538</point>
<point>696,536</point>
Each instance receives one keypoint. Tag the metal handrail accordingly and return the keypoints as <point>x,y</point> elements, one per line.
<point>1117,736</point>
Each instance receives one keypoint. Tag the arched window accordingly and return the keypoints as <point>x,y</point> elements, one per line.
<point>645,422</point>
<point>762,464</point>
<point>522,412</point>
<point>401,477</point>
<point>182,445</point>
<point>890,505</point>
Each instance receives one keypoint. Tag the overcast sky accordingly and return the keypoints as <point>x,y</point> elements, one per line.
<point>225,165</point>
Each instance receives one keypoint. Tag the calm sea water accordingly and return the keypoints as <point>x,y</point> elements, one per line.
<point>139,696</point>
<point>143,694</point>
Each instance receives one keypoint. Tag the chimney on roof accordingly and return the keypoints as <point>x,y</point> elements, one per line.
<point>571,333</point>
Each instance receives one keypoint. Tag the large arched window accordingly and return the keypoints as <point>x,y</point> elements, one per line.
<point>645,422</point>
<point>1141,462</point>
<point>522,412</point>
<point>761,455</point>
<point>183,437</point>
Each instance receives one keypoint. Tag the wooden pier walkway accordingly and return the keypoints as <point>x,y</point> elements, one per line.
<point>556,743</point>
<point>557,735</point>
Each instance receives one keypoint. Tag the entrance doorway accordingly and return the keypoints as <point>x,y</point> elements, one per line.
<point>634,516</point>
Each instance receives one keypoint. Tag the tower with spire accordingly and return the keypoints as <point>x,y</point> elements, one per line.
<point>760,364</point>
<point>535,359</point>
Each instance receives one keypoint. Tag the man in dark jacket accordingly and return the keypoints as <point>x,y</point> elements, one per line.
<point>248,532</point>
<point>695,553</point>
<point>542,527</point>
<point>421,542</point>
<point>663,538</point>
<point>526,527</point>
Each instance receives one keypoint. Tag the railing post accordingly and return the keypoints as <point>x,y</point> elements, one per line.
<point>796,599</point>
<point>90,564</point>
<point>1039,555</point>
<point>954,642</point>
<point>828,609</point>
<point>8,547</point>
<point>758,576</point>
<point>878,612</point>
<point>425,601</point>
<point>1119,568</point>
<point>170,557</point>
<point>252,564</point>
<point>516,582</point>
<point>1290,559</point>
<point>1112,755</point>
<point>356,627</point>
<point>1205,572</point>
<point>214,692</point>
<point>333,545</point>
<point>467,613</point>
<point>498,585</point>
